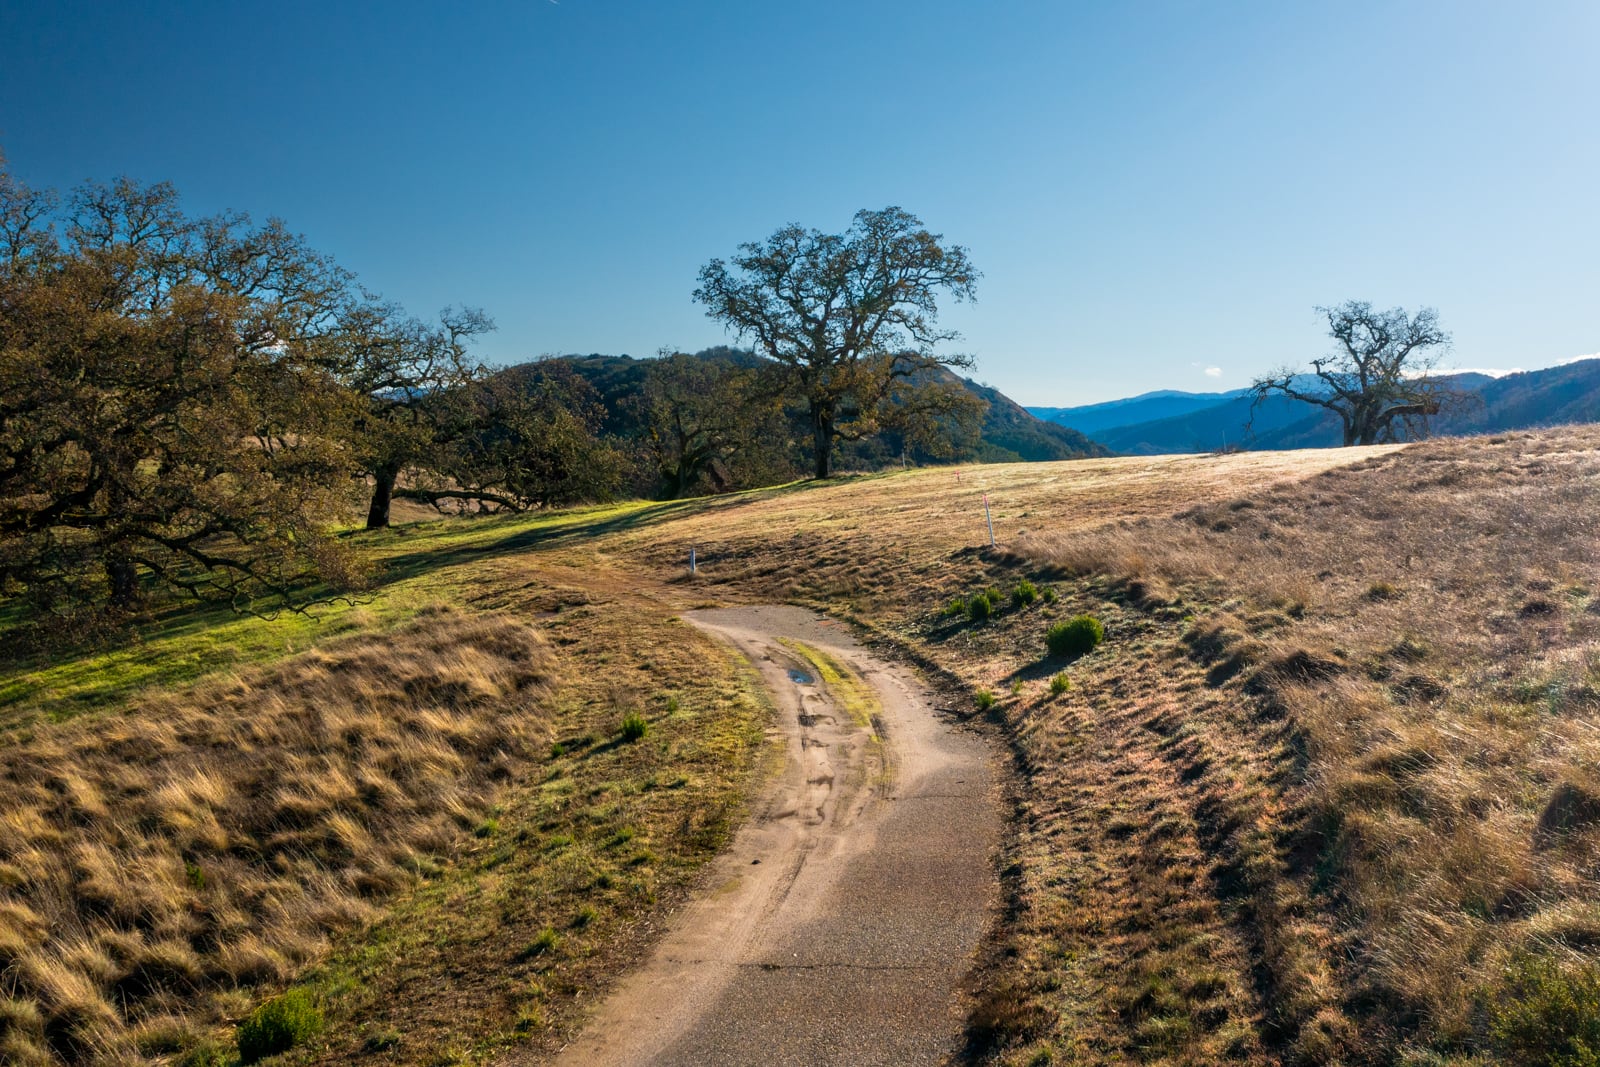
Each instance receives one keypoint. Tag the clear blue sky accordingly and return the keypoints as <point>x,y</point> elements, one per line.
<point>1151,189</point>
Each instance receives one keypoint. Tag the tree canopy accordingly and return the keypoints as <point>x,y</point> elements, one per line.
<point>169,402</point>
<point>851,318</point>
<point>1379,377</point>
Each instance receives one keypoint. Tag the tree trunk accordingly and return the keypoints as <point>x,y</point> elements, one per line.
<point>123,578</point>
<point>822,440</point>
<point>383,480</point>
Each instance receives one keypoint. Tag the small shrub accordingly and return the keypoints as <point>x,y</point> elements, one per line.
<point>487,828</point>
<point>979,608</point>
<point>1016,687</point>
<point>956,606</point>
<point>994,596</point>
<point>1059,684</point>
<point>1383,591</point>
<point>557,750</point>
<point>584,917</point>
<point>984,699</point>
<point>1024,594</point>
<point>1048,594</point>
<point>278,1026</point>
<point>634,726</point>
<point>1549,1015</point>
<point>1075,637</point>
<point>672,704</point>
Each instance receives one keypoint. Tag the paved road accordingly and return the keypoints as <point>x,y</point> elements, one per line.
<point>840,923</point>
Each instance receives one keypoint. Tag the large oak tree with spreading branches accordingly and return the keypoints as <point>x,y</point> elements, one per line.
<point>171,404</point>
<point>1379,377</point>
<point>852,318</point>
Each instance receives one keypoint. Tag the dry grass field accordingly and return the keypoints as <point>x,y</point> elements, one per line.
<point>1324,795</point>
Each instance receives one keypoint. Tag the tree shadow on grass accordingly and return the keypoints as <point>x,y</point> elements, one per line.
<point>572,530</point>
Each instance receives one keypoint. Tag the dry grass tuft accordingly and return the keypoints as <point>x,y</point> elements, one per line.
<point>214,838</point>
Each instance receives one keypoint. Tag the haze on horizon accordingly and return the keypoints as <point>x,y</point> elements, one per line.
<point>1157,195</point>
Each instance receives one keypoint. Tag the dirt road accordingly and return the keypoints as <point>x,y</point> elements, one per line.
<point>838,926</point>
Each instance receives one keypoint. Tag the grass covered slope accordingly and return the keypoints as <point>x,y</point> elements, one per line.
<point>1328,792</point>
<point>1324,794</point>
<point>213,839</point>
<point>431,822</point>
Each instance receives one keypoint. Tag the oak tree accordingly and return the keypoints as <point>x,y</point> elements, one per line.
<point>713,424</point>
<point>170,409</point>
<point>1379,377</point>
<point>851,318</point>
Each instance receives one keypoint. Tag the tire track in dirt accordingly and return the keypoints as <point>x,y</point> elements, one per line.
<point>838,927</point>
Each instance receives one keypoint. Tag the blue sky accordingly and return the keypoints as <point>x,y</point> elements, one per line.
<point>1152,190</point>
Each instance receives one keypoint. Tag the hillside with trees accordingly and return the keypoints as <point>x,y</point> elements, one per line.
<point>198,407</point>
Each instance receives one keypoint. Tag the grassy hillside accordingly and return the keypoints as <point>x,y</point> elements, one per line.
<point>1324,795</point>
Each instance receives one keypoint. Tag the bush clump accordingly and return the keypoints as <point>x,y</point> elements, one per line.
<point>1059,684</point>
<point>1024,594</point>
<point>634,726</point>
<point>1549,1015</point>
<point>979,608</point>
<point>1076,636</point>
<point>984,699</point>
<point>278,1026</point>
<point>956,606</point>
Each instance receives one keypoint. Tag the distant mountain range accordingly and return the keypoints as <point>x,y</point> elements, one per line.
<point>1169,421</point>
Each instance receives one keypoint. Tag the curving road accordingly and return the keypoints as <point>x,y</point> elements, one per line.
<point>840,923</point>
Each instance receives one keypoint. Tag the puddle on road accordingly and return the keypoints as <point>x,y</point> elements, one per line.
<point>799,677</point>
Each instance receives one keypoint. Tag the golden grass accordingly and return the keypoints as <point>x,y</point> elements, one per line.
<point>1410,645</point>
<point>1330,772</point>
<point>213,839</point>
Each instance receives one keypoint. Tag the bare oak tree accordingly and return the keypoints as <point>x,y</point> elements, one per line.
<point>851,317</point>
<point>1378,379</point>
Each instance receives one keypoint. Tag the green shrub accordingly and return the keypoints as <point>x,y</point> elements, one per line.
<point>1059,684</point>
<point>984,699</point>
<point>1075,637</point>
<point>1048,595</point>
<point>1548,1015</point>
<point>1024,594</point>
<point>634,726</point>
<point>957,606</point>
<point>557,750</point>
<point>979,608</point>
<point>278,1026</point>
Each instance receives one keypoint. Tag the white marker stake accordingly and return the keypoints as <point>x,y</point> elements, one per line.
<point>987,519</point>
<point>692,569</point>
